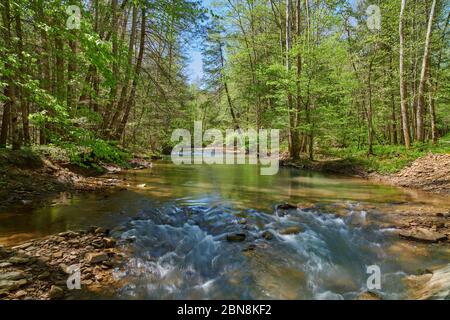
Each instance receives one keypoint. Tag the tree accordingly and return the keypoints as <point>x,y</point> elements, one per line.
<point>403,94</point>
<point>420,134</point>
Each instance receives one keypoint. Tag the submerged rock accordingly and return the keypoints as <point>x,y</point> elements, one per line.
<point>243,221</point>
<point>422,234</point>
<point>286,206</point>
<point>250,248</point>
<point>267,235</point>
<point>291,230</point>
<point>236,237</point>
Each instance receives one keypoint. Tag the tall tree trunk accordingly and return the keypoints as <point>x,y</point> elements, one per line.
<point>434,84</point>
<point>44,54</point>
<point>294,137</point>
<point>423,75</point>
<point>393,135</point>
<point>370,112</point>
<point>227,92</point>
<point>115,65</point>
<point>137,71</point>
<point>71,74</point>
<point>9,116</point>
<point>299,69</point>
<point>59,69</point>
<point>432,110</point>
<point>403,94</point>
<point>24,106</point>
<point>124,92</point>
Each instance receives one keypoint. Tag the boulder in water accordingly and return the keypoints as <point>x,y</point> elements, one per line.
<point>291,230</point>
<point>236,237</point>
<point>286,206</point>
<point>267,235</point>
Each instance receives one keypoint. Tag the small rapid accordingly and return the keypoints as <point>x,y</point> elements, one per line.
<point>183,253</point>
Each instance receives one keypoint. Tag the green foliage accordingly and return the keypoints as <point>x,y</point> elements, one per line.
<point>86,150</point>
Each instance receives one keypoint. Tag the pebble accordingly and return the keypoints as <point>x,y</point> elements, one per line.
<point>19,260</point>
<point>95,257</point>
<point>5,264</point>
<point>14,275</point>
<point>43,275</point>
<point>20,294</point>
<point>56,292</point>
<point>22,246</point>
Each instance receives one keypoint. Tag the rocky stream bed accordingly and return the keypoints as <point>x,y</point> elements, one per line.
<point>39,269</point>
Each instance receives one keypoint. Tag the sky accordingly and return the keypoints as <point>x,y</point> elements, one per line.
<point>195,67</point>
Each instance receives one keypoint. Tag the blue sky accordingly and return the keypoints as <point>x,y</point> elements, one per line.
<point>195,67</point>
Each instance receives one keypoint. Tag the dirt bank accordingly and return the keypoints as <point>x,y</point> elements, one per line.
<point>430,173</point>
<point>40,269</point>
<point>31,180</point>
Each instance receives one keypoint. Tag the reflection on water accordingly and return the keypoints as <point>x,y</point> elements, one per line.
<point>179,217</point>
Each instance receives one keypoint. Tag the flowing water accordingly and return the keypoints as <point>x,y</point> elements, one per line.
<point>178,217</point>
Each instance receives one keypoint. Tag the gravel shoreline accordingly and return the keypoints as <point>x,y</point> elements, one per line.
<point>40,269</point>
